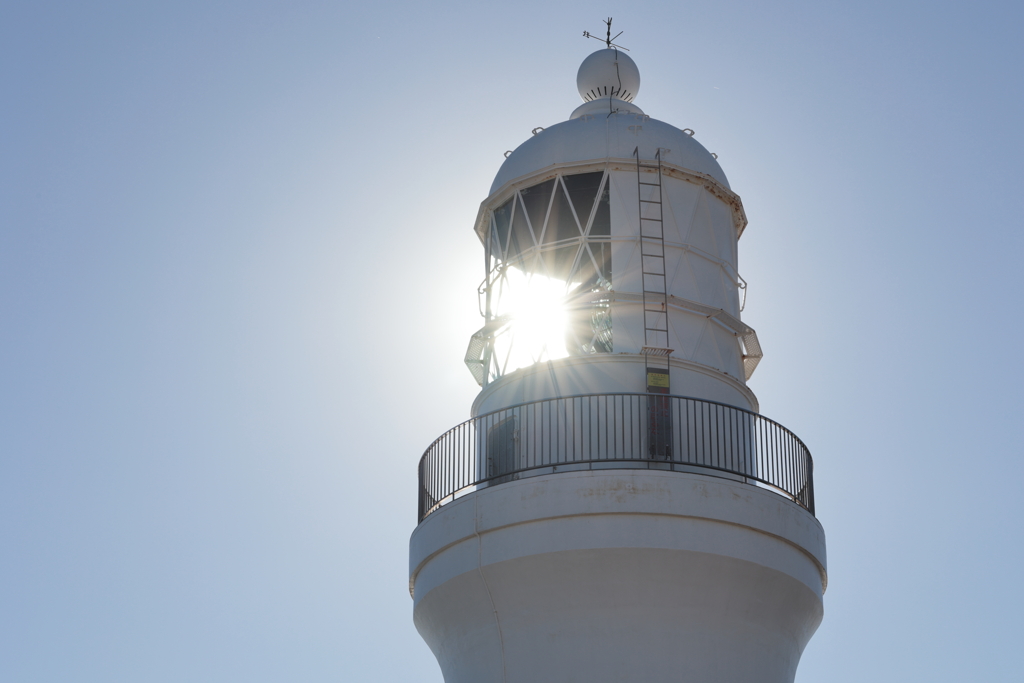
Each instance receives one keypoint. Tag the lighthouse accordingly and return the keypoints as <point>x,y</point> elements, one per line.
<point>616,508</point>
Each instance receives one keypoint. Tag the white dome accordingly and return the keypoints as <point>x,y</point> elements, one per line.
<point>610,136</point>
<point>608,73</point>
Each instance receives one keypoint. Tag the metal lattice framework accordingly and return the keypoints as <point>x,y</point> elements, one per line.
<point>557,231</point>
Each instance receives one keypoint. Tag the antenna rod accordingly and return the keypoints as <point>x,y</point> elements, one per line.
<point>608,36</point>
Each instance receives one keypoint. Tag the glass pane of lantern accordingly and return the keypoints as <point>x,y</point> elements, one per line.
<point>602,252</point>
<point>519,234</point>
<point>601,326</point>
<point>561,225</point>
<point>586,273</point>
<point>583,189</point>
<point>558,262</point>
<point>536,200</point>
<point>502,220</point>
<point>590,324</point>
<point>602,226</point>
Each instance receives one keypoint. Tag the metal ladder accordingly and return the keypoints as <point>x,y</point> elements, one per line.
<point>653,266</point>
<point>655,301</point>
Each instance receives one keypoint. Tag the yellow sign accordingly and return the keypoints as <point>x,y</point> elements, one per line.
<point>657,379</point>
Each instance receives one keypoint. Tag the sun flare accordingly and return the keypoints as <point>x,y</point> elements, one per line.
<point>538,318</point>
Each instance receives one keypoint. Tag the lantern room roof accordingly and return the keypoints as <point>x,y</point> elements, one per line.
<point>607,127</point>
<point>593,137</point>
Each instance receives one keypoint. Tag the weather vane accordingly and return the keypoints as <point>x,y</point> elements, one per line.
<point>608,39</point>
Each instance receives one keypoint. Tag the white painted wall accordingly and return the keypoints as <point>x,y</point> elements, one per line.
<point>618,575</point>
<point>700,259</point>
<point>608,373</point>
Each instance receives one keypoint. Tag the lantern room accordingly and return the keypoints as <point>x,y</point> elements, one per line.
<point>610,240</point>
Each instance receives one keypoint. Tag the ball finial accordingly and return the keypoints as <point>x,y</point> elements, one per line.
<point>608,73</point>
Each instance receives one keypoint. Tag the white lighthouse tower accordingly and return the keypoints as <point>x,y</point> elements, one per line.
<point>616,509</point>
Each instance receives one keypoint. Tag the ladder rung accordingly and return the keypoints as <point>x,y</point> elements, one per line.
<point>652,201</point>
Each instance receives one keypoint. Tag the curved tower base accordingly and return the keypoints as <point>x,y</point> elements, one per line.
<point>618,575</point>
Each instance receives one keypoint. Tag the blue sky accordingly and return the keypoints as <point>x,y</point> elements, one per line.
<point>238,272</point>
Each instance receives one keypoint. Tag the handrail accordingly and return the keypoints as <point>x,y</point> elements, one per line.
<point>619,430</point>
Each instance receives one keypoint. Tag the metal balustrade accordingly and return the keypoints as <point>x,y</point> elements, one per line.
<point>615,431</point>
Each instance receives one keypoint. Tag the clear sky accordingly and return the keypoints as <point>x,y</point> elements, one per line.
<point>237,279</point>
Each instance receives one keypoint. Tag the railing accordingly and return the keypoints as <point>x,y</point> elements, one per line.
<point>608,431</point>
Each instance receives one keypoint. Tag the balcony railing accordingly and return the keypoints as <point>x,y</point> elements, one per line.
<point>609,431</point>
